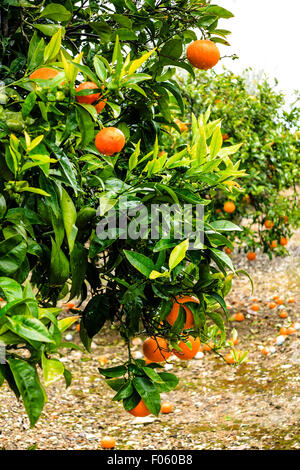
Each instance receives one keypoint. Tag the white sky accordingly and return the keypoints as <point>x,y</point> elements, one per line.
<point>265,36</point>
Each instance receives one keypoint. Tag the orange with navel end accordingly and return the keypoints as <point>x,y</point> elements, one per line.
<point>156,349</point>
<point>251,256</point>
<point>109,140</point>
<point>172,316</point>
<point>255,308</point>
<point>283,314</point>
<point>272,305</point>
<point>229,207</point>
<point>269,224</point>
<point>203,54</point>
<point>87,99</point>
<point>186,353</point>
<point>140,410</point>
<point>283,241</point>
<point>45,73</point>
<point>166,407</point>
<point>239,316</point>
<point>108,442</point>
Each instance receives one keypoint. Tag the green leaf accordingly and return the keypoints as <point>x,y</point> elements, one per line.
<point>178,254</point>
<point>56,12</point>
<point>29,328</point>
<point>59,265</point>
<point>78,263</point>
<point>242,271</point>
<point>115,384</point>
<point>53,48</point>
<point>65,323</point>
<point>28,104</point>
<point>48,29</point>
<point>149,393</point>
<point>153,375</point>
<point>69,218</point>
<point>133,160</point>
<point>225,226</point>
<point>220,300</point>
<point>137,63</point>
<point>85,124</point>
<point>3,207</point>
<point>124,392</point>
<point>53,370</point>
<point>29,386</point>
<point>170,382</point>
<point>141,262</point>
<point>172,49</point>
<point>12,254</point>
<point>10,289</point>
<point>216,142</point>
<point>117,371</point>
<point>100,69</point>
<point>96,313</point>
<point>221,259</point>
<point>218,11</point>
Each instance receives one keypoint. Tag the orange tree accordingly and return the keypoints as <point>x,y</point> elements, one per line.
<point>83,107</point>
<point>255,114</point>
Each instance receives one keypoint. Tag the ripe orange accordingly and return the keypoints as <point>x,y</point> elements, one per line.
<point>166,407</point>
<point>108,442</point>
<point>276,297</point>
<point>2,300</point>
<point>272,305</point>
<point>269,224</point>
<point>279,301</point>
<point>239,316</point>
<point>251,256</point>
<point>203,54</point>
<point>273,244</point>
<point>218,211</point>
<point>140,410</point>
<point>69,305</point>
<point>283,331</point>
<point>87,99</point>
<point>286,218</point>
<point>109,140</point>
<point>182,126</point>
<point>255,307</point>
<point>156,349</point>
<point>171,318</point>
<point>283,314</point>
<point>78,327</point>
<point>290,330</point>
<point>283,241</point>
<point>228,251</point>
<point>265,351</point>
<point>185,354</point>
<point>44,72</point>
<point>291,301</point>
<point>225,136</point>
<point>229,207</point>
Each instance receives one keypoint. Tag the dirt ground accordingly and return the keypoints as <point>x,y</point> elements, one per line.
<point>216,406</point>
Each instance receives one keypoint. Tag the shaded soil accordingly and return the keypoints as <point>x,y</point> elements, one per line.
<point>216,406</point>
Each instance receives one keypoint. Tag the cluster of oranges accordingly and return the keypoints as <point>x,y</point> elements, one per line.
<point>109,140</point>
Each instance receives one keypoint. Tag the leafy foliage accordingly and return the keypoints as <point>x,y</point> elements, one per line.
<point>56,188</point>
